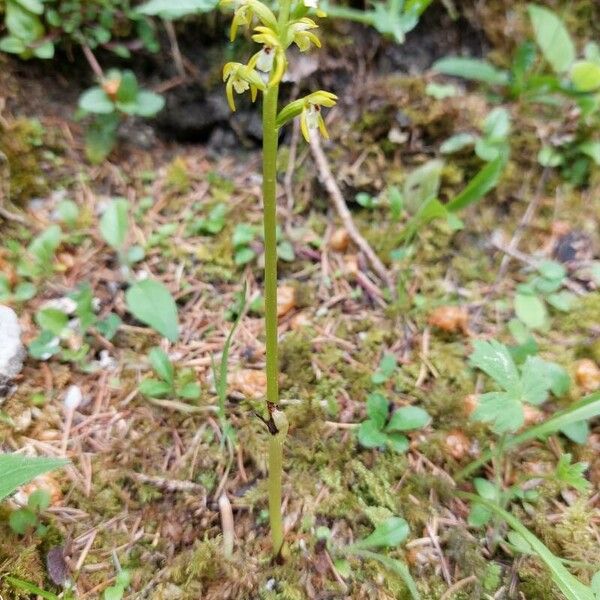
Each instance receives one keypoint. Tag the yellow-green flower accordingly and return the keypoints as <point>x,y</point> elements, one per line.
<point>299,33</point>
<point>311,118</point>
<point>241,78</point>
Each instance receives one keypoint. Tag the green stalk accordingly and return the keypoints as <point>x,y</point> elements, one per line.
<point>270,140</point>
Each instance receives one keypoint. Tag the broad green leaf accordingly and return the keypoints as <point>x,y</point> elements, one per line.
<point>101,137</point>
<point>535,381</point>
<point>497,124</point>
<point>127,92</point>
<point>386,369</point>
<point>150,302</point>
<point>471,68</point>
<point>148,103</point>
<point>519,542</point>
<point>53,320</point>
<point>12,45</point>
<point>34,6</point>
<point>378,408</point>
<point>389,534</point>
<point>551,269</point>
<point>563,300</point>
<point>44,51</point>
<point>285,251</point>
<point>408,418</point>
<point>502,410</point>
<point>572,474</point>
<point>243,234</point>
<point>422,184</point>
<point>16,470</point>
<point>397,567</point>
<point>458,142</point>
<point>398,442</point>
<point>26,586</point>
<point>109,326</point>
<point>552,37</point>
<point>243,255</point>
<point>22,23</point>
<point>494,359</point>
<point>571,587</point>
<point>44,346</point>
<point>549,157</point>
<point>479,515</point>
<point>576,432</point>
<point>591,149</point>
<point>531,310</point>
<point>441,91</point>
<point>22,520</point>
<point>190,391</point>
<point>155,388</point>
<point>114,223</point>
<point>161,364</point>
<point>370,435</point>
<point>96,101</point>
<point>45,244</point>
<point>483,182</point>
<point>585,75</point>
<point>582,411</point>
<point>486,489</point>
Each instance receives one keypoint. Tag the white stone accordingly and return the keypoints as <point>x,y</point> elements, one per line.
<point>12,351</point>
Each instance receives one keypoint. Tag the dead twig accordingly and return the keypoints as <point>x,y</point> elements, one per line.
<point>326,176</point>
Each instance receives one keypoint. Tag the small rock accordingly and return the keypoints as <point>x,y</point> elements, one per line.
<point>450,318</point>
<point>286,300</point>
<point>587,375</point>
<point>532,415</point>
<point>457,444</point>
<point>470,403</point>
<point>299,321</point>
<point>249,382</point>
<point>351,265</point>
<point>339,240</point>
<point>12,351</point>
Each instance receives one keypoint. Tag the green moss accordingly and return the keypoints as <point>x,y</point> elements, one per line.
<point>177,176</point>
<point>21,141</point>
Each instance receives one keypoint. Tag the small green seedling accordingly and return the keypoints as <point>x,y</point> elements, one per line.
<point>117,591</point>
<point>386,369</point>
<point>529,384</point>
<point>28,518</point>
<point>117,96</point>
<point>388,534</point>
<point>69,333</point>
<point>245,244</point>
<point>179,383</point>
<point>543,289</point>
<point>38,260</point>
<point>491,144</point>
<point>213,223</point>
<point>115,228</point>
<point>568,80</point>
<point>382,429</point>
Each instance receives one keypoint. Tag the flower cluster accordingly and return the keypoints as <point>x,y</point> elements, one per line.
<point>267,67</point>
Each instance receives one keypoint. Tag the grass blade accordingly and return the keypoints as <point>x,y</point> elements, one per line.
<point>585,409</point>
<point>569,585</point>
<point>391,564</point>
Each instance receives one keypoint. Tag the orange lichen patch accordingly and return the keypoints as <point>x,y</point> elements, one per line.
<point>340,240</point>
<point>587,375</point>
<point>457,444</point>
<point>299,321</point>
<point>450,318</point>
<point>111,87</point>
<point>470,403</point>
<point>286,300</point>
<point>251,383</point>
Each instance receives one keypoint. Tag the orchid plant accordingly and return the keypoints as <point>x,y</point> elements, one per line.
<point>276,31</point>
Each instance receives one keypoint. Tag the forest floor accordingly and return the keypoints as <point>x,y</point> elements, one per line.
<point>146,474</point>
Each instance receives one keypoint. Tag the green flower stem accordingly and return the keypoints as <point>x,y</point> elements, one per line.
<point>277,439</point>
<point>270,235</point>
